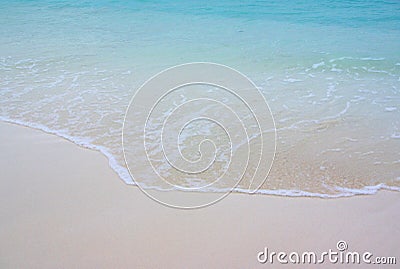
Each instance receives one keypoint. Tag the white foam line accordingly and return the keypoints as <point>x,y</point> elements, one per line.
<point>315,66</point>
<point>123,173</point>
<point>367,189</point>
<point>345,192</point>
<point>355,58</point>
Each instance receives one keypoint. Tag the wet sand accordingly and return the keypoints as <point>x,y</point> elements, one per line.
<point>61,206</point>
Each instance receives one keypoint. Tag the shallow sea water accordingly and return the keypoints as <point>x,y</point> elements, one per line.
<point>330,72</point>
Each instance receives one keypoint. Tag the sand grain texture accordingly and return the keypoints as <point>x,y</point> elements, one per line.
<point>61,206</point>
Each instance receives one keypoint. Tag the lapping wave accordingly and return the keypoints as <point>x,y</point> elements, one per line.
<point>323,112</point>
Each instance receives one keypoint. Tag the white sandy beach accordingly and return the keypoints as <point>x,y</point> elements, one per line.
<point>61,206</point>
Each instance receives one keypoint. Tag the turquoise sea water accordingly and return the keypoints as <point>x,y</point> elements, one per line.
<point>330,71</point>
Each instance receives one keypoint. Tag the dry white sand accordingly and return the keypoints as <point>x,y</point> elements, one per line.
<point>61,206</point>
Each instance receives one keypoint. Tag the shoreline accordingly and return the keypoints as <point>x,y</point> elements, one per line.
<point>62,207</point>
<point>123,173</point>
